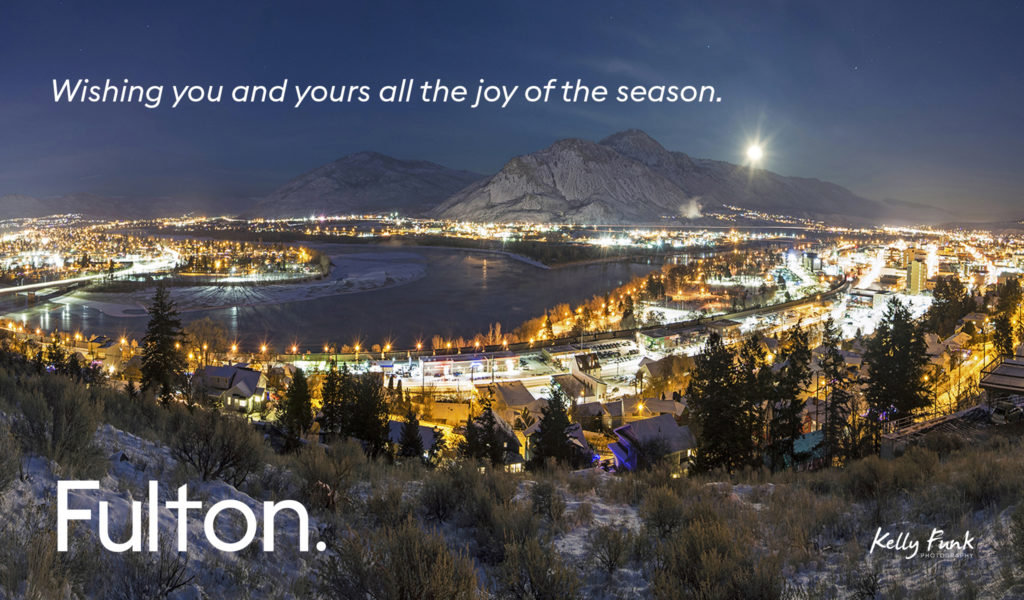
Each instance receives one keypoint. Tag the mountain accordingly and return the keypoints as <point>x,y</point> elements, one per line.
<point>631,178</point>
<point>365,182</point>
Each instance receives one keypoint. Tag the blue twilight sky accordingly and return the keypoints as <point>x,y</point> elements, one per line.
<point>918,101</point>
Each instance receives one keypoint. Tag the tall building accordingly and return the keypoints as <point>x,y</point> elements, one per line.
<point>917,277</point>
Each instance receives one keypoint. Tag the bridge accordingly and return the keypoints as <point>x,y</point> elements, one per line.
<point>140,267</point>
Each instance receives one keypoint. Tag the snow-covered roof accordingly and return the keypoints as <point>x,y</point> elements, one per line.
<point>663,428</point>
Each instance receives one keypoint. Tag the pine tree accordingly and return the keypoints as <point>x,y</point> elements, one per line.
<point>437,447</point>
<point>718,412</point>
<point>410,444</point>
<point>896,359</point>
<point>163,365</point>
<point>837,442</point>
<point>332,411</point>
<point>950,304</point>
<point>484,440</point>
<point>786,423</point>
<point>365,402</point>
<point>1002,334</point>
<point>755,382</point>
<point>296,412</point>
<point>550,440</point>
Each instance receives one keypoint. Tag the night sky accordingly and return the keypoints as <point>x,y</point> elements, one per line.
<point>921,102</point>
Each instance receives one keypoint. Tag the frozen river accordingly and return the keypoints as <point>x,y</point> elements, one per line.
<point>373,293</point>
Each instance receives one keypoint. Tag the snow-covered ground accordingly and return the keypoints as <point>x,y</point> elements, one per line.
<point>133,463</point>
<point>350,274</point>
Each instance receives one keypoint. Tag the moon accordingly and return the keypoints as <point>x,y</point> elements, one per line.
<point>755,153</point>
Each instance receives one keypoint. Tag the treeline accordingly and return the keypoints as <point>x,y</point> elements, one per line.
<point>747,406</point>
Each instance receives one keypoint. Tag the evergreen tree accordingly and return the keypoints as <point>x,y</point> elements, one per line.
<point>410,444</point>
<point>1009,296</point>
<point>332,412</point>
<point>550,440</point>
<point>718,412</point>
<point>950,304</point>
<point>484,440</point>
<point>1002,334</point>
<point>365,403</point>
<point>296,412</point>
<point>787,405</point>
<point>131,390</point>
<point>838,444</point>
<point>896,360</point>
<point>437,447</point>
<point>755,382</point>
<point>163,365</point>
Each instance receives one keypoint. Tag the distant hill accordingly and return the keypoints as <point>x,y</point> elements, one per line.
<point>107,207</point>
<point>626,178</point>
<point>631,178</point>
<point>365,182</point>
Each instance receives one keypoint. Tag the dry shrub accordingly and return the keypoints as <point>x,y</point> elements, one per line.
<point>10,458</point>
<point>802,524</point>
<point>870,479</point>
<point>625,489</point>
<point>662,512</point>
<point>217,446</point>
<point>533,570</point>
<point>388,508</point>
<point>1017,534</point>
<point>548,503</point>
<point>325,475</point>
<point>59,419</point>
<point>710,559</point>
<point>609,546</point>
<point>583,515</point>
<point>439,496</point>
<point>151,576</point>
<point>401,562</point>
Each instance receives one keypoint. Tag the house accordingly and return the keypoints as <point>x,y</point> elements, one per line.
<point>667,375</point>
<point>617,412</point>
<point>675,444</point>
<point>580,389</point>
<point>583,383</point>
<point>656,407</point>
<point>513,459</point>
<point>449,413</point>
<point>592,416</point>
<point>509,399</point>
<point>573,434</point>
<point>660,339</point>
<point>395,434</point>
<point>727,328</point>
<point>235,386</point>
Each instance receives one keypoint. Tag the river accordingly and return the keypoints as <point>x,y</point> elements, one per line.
<point>375,293</point>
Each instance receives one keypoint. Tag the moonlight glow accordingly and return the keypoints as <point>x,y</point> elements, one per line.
<point>754,152</point>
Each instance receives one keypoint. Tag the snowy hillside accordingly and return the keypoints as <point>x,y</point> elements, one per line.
<point>364,183</point>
